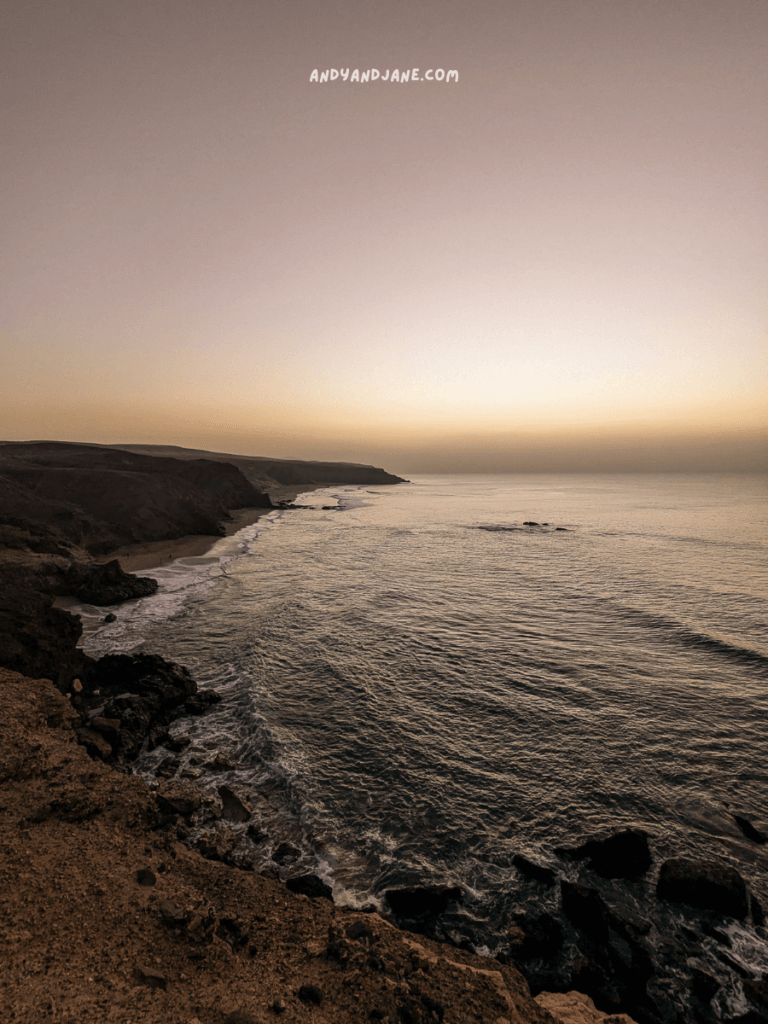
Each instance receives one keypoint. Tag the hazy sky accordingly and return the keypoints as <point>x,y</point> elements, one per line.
<point>563,253</point>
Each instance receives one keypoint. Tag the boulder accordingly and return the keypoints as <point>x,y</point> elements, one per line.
<point>749,830</point>
<point>217,845</point>
<point>286,854</point>
<point>199,702</point>
<point>233,807</point>
<point>418,908</point>
<point>107,584</point>
<point>705,885</point>
<point>36,639</point>
<point>94,743</point>
<point>148,675</point>
<point>624,854</point>
<point>535,937</point>
<point>586,909</point>
<point>539,874</point>
<point>310,885</point>
<point>178,797</point>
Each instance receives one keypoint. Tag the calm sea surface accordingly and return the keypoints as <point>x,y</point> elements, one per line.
<point>417,686</point>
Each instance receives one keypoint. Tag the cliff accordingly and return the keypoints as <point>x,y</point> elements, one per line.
<point>265,472</point>
<point>99,498</point>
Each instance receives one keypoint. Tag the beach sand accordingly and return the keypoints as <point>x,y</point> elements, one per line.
<point>155,554</point>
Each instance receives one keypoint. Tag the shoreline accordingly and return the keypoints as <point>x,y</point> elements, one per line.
<point>157,554</point>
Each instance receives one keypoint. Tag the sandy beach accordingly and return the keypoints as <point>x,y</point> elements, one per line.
<point>154,554</point>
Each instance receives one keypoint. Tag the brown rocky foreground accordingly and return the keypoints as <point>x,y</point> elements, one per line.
<point>107,917</point>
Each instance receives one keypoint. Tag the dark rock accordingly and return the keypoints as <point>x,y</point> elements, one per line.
<point>201,701</point>
<point>618,966</point>
<point>108,727</point>
<point>529,522</point>
<point>217,845</point>
<point>36,639</point>
<point>178,797</point>
<point>716,933</point>
<point>110,617</point>
<point>107,584</point>
<point>585,909</point>
<point>419,907</point>
<point>172,914</point>
<point>178,743</point>
<point>144,692</point>
<point>95,744</point>
<point>310,994</point>
<point>150,977</point>
<point>527,867</point>
<point>310,885</point>
<point>279,1006</point>
<point>758,915</point>
<point>749,830</point>
<point>703,985</point>
<point>144,876</point>
<point>157,736</point>
<point>286,854</point>
<point>706,885</point>
<point>147,675</point>
<point>756,991</point>
<point>231,930</point>
<point>535,936</point>
<point>359,931</point>
<point>233,807</point>
<point>624,854</point>
<point>257,834</point>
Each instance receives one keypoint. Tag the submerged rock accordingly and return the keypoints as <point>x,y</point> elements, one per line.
<point>535,937</point>
<point>233,807</point>
<point>539,874</point>
<point>749,830</point>
<point>704,884</point>
<point>310,885</point>
<point>418,908</point>
<point>624,854</point>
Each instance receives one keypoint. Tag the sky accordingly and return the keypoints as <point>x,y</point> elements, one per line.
<point>557,262</point>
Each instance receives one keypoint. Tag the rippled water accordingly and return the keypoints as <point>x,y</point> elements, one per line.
<point>418,686</point>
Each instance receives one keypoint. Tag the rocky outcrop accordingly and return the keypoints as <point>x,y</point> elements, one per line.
<point>704,884</point>
<point>37,639</point>
<point>546,876</point>
<point>418,908</point>
<point>624,854</point>
<point>106,584</point>
<point>310,885</point>
<point>618,964</point>
<point>141,693</point>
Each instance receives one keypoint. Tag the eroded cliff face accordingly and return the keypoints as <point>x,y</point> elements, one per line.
<point>107,917</point>
<point>99,498</point>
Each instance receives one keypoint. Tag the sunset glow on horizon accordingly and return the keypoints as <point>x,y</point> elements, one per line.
<point>557,262</point>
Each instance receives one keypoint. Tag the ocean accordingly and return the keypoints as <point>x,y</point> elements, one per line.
<point>422,681</point>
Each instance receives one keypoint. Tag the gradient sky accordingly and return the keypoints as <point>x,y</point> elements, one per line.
<point>558,262</point>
